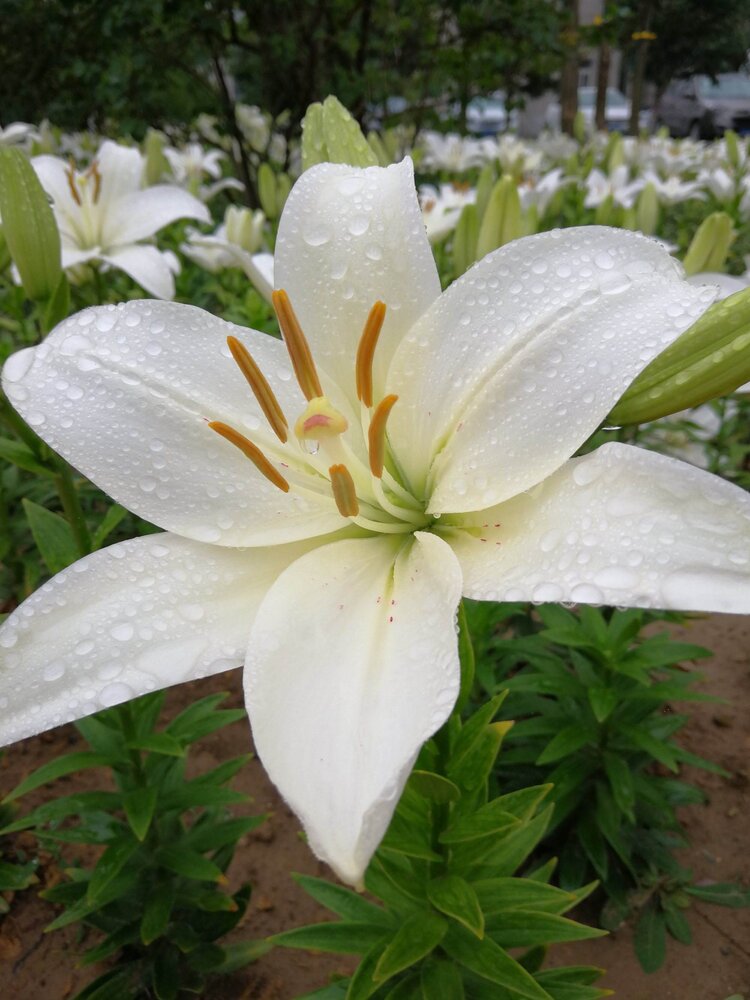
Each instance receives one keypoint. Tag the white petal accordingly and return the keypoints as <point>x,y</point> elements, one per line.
<point>121,169</point>
<point>347,238</point>
<point>621,526</point>
<point>135,617</point>
<point>146,265</point>
<point>52,174</point>
<point>520,359</point>
<point>142,213</point>
<point>124,394</point>
<point>727,284</point>
<point>352,665</point>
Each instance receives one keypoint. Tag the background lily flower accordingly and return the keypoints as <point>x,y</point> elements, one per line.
<point>103,214</point>
<point>324,517</point>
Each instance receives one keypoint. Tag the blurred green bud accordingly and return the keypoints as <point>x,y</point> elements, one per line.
<point>4,252</point>
<point>731,141</point>
<point>530,220</point>
<point>709,247</point>
<point>711,358</point>
<point>29,226</point>
<point>501,221</point>
<point>616,153</point>
<point>579,127</point>
<point>485,184</point>
<point>330,134</point>
<point>157,164</point>
<point>647,210</point>
<point>605,212</point>
<point>378,147</point>
<point>465,239</point>
<point>267,190</point>
<point>629,219</point>
<point>283,187</point>
<point>244,228</point>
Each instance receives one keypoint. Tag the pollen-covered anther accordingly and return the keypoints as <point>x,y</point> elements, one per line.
<point>366,352</point>
<point>376,434</point>
<point>344,491</point>
<point>320,420</point>
<point>261,389</point>
<point>95,173</point>
<point>297,346</point>
<point>252,452</point>
<point>70,175</point>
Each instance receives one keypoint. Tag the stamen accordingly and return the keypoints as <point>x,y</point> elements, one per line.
<point>376,434</point>
<point>366,352</point>
<point>252,452</point>
<point>261,389</point>
<point>94,172</point>
<point>344,492</point>
<point>296,344</point>
<point>71,178</point>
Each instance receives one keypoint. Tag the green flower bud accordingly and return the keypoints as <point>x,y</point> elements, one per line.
<point>485,184</point>
<point>4,252</point>
<point>731,140</point>
<point>709,247</point>
<point>615,154</point>
<point>283,187</point>
<point>29,225</point>
<point>267,190</point>
<point>605,212</point>
<point>711,358</point>
<point>244,228</point>
<point>157,164</point>
<point>378,147</point>
<point>465,239</point>
<point>330,134</point>
<point>579,127</point>
<point>501,222</point>
<point>647,210</point>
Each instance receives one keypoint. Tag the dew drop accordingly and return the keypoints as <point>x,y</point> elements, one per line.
<point>114,694</point>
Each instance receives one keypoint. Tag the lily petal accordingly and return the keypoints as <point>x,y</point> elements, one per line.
<point>142,213</point>
<point>146,265</point>
<point>125,394</point>
<point>355,236</point>
<point>621,526</point>
<point>53,176</point>
<point>131,618</point>
<point>521,358</point>
<point>353,657</point>
<point>121,170</point>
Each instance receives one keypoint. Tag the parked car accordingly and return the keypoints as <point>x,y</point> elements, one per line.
<point>616,111</point>
<point>704,107</point>
<point>488,115</point>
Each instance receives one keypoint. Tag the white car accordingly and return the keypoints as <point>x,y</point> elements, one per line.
<point>488,115</point>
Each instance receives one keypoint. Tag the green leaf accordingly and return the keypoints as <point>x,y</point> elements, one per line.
<point>57,306</point>
<point>109,522</point>
<point>473,768</point>
<point>110,865</point>
<point>57,769</point>
<point>18,454</point>
<point>678,925</point>
<point>166,974</point>
<point>189,863</point>
<point>210,836</point>
<point>454,896</point>
<point>650,940</point>
<point>434,786</point>
<point>344,903</point>
<point>488,820</point>
<point>417,937</point>
<point>139,808</point>
<point>157,909</point>
<point>511,893</point>
<point>530,928</point>
<point>603,701</point>
<point>489,960</point>
<point>363,984</point>
<point>239,954</point>
<point>505,855</point>
<point>346,937</point>
<point>441,980</point>
<point>101,737</point>
<point>115,984</point>
<point>721,893</point>
<point>466,657</point>
<point>52,535</point>
<point>161,743</point>
<point>621,782</point>
<point>644,741</point>
<point>202,718</point>
<point>567,741</point>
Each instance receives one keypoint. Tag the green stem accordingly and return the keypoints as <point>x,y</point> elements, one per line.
<point>466,657</point>
<point>68,494</point>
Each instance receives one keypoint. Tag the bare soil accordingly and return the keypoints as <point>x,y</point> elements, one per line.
<point>36,966</point>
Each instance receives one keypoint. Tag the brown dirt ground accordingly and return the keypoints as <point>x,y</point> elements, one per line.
<point>34,966</point>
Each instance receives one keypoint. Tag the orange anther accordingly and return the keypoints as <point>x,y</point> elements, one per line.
<point>296,344</point>
<point>366,352</point>
<point>376,434</point>
<point>344,491</point>
<point>252,452</point>
<point>261,389</point>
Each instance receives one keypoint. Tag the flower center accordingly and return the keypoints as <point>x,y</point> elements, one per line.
<point>85,189</point>
<point>319,463</point>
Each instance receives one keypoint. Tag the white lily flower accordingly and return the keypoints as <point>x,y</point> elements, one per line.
<point>17,133</point>
<point>721,184</point>
<point>235,243</point>
<point>332,561</point>
<point>442,207</point>
<point>616,186</point>
<point>103,214</point>
<point>673,191</point>
<point>190,164</point>
<point>454,153</point>
<point>539,192</point>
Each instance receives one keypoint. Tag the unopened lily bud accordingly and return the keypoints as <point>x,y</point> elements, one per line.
<point>283,187</point>
<point>267,190</point>
<point>731,141</point>
<point>379,149</point>
<point>709,247</point>
<point>4,252</point>
<point>647,210</point>
<point>156,163</point>
<point>244,228</point>
<point>530,221</point>
<point>616,154</point>
<point>485,184</point>
<point>465,239</point>
<point>711,358</point>
<point>330,134</point>
<point>605,210</point>
<point>579,127</point>
<point>501,222</point>
<point>29,226</point>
